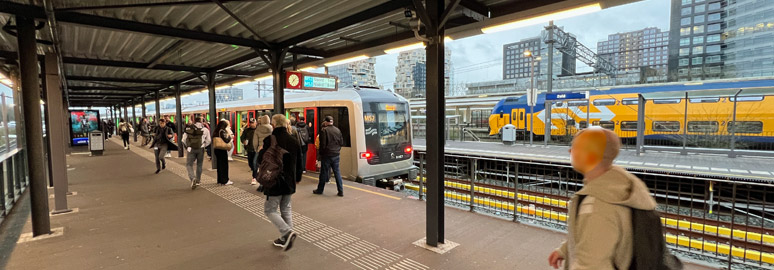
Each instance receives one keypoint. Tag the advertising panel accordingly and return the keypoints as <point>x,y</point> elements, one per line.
<point>81,123</point>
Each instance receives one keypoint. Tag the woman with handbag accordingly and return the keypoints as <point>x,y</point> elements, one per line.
<point>221,144</point>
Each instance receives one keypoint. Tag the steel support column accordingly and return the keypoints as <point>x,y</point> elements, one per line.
<point>33,125</point>
<point>158,107</point>
<point>126,114</point>
<point>142,101</point>
<point>56,154</point>
<point>435,130</point>
<point>640,124</point>
<point>549,85</point>
<point>277,60</point>
<point>213,113</point>
<point>134,119</point>
<point>179,120</point>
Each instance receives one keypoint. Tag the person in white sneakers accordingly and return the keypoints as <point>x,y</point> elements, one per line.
<point>195,138</point>
<point>248,141</point>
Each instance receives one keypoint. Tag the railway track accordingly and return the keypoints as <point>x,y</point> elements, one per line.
<point>745,243</point>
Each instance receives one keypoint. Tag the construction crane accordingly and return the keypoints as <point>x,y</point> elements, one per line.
<point>569,45</point>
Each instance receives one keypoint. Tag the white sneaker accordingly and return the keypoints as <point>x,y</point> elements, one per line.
<point>253,183</point>
<point>168,155</point>
<point>229,183</point>
<point>230,159</point>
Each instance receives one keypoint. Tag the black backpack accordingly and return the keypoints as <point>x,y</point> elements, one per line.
<point>270,169</point>
<point>649,247</point>
<point>194,138</point>
<point>303,132</point>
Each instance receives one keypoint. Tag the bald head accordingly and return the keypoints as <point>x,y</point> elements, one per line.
<point>594,148</point>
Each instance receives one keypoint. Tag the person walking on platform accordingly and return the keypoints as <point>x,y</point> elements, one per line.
<point>306,139</point>
<point>145,131</point>
<point>280,151</point>
<point>600,228</point>
<point>331,141</point>
<point>162,141</point>
<point>172,127</point>
<point>196,137</point>
<point>262,131</point>
<point>221,146</point>
<point>124,128</point>
<point>249,143</point>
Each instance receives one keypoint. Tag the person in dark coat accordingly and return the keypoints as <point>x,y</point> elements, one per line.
<point>278,196</point>
<point>162,141</point>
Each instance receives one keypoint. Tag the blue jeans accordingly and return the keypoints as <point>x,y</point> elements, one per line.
<point>326,165</point>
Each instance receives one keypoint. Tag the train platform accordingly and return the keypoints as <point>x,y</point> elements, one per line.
<point>130,218</point>
<point>703,165</point>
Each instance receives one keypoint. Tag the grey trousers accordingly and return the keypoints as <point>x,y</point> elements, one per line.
<point>196,155</point>
<point>160,152</point>
<point>282,220</point>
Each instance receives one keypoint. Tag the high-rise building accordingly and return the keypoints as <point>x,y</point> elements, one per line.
<point>696,43</point>
<point>229,94</point>
<point>516,65</point>
<point>632,51</point>
<point>748,39</point>
<point>360,72</point>
<point>410,77</point>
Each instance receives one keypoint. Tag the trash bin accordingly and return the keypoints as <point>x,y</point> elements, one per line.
<point>96,143</point>
<point>509,134</point>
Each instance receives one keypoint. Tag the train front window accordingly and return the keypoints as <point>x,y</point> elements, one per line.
<point>393,124</point>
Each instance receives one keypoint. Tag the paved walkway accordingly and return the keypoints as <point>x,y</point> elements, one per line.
<point>130,218</point>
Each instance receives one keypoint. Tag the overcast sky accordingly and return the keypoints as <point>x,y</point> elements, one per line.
<point>479,58</point>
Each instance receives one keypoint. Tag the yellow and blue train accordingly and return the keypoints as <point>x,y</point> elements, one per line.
<point>616,109</point>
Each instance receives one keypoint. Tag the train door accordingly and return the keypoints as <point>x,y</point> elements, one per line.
<point>235,128</point>
<point>311,153</point>
<point>518,118</point>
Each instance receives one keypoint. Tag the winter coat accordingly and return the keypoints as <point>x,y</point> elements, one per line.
<point>600,233</point>
<point>247,135</point>
<point>292,165</point>
<point>261,132</point>
<point>331,141</point>
<point>162,138</point>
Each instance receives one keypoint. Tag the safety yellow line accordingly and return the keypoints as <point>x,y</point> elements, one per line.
<point>363,190</point>
<point>681,240</point>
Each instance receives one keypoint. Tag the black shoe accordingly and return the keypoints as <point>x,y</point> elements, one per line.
<point>289,242</point>
<point>340,194</point>
<point>163,166</point>
<point>279,242</point>
<point>157,171</point>
<point>316,192</point>
<point>193,184</point>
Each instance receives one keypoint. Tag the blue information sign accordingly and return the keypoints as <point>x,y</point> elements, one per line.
<point>567,95</point>
<point>319,82</point>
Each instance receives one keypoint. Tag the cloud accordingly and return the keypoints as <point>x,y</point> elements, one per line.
<point>468,54</point>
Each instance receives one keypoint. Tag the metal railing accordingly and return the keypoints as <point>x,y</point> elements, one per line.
<point>13,172</point>
<point>730,223</point>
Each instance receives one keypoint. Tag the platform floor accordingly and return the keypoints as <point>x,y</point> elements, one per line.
<point>131,218</point>
<point>751,168</point>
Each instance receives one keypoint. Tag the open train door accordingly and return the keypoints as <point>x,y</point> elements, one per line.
<point>312,122</point>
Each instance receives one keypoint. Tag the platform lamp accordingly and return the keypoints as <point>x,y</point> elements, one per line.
<point>531,94</point>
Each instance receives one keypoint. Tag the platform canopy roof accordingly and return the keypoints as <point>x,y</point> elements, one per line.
<point>114,51</point>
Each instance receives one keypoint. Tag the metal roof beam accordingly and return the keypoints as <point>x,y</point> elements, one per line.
<point>163,55</point>
<point>124,80</point>
<point>476,7</point>
<point>156,4</point>
<point>510,8</point>
<point>348,21</point>
<point>107,88</point>
<point>126,64</point>
<point>139,27</point>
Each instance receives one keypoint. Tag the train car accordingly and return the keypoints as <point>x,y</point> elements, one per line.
<point>375,124</point>
<point>616,109</point>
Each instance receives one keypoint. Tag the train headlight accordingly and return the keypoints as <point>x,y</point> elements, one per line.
<point>366,155</point>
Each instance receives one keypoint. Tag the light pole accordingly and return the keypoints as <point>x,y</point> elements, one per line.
<point>531,93</point>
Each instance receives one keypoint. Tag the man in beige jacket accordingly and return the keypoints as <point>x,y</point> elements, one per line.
<point>600,229</point>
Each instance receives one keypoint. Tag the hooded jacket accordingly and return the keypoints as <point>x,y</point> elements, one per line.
<point>600,230</point>
<point>260,133</point>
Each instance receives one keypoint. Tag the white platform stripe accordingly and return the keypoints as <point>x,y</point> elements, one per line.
<point>358,252</point>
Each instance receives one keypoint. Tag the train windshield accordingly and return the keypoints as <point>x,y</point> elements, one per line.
<point>393,124</point>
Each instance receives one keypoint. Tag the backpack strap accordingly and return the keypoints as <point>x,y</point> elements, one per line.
<point>580,200</point>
